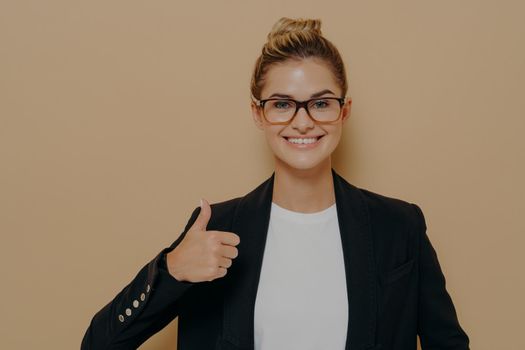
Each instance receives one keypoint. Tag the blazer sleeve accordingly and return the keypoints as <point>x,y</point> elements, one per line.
<point>438,325</point>
<point>145,306</point>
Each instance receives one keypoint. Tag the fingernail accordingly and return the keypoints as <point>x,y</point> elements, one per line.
<point>201,202</point>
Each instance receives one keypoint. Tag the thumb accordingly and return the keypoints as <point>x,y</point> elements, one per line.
<point>204,216</point>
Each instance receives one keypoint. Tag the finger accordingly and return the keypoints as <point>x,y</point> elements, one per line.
<point>228,251</point>
<point>222,272</point>
<point>225,262</point>
<point>229,238</point>
<point>204,216</point>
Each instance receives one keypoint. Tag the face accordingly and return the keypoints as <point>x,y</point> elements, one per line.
<point>301,80</point>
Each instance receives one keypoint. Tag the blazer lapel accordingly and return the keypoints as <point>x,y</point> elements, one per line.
<point>251,221</point>
<point>358,252</point>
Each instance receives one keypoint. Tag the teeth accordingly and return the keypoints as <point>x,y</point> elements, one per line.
<point>302,140</point>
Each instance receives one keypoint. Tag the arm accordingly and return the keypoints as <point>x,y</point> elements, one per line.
<point>438,325</point>
<point>145,306</point>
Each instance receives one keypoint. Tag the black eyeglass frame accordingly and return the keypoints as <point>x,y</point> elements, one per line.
<point>298,105</point>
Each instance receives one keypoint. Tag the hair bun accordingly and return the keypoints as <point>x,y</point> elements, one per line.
<point>288,25</point>
<point>296,39</point>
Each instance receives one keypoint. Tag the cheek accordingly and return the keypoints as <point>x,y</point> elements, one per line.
<point>335,138</point>
<point>337,134</point>
<point>272,135</point>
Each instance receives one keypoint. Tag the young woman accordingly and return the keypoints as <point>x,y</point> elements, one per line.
<point>304,261</point>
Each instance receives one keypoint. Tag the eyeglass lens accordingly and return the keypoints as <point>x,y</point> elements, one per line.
<point>323,109</point>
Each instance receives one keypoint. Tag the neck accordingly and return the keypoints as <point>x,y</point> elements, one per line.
<point>304,190</point>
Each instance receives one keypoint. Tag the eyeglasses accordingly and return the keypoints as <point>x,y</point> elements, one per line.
<point>281,111</point>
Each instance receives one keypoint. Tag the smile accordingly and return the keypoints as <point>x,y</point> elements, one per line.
<point>303,142</point>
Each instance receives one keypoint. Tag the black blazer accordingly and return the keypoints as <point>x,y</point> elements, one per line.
<point>396,289</point>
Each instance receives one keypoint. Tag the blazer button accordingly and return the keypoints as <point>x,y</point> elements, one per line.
<point>148,288</point>
<point>142,297</point>
<point>135,304</point>
<point>128,312</point>
<point>121,318</point>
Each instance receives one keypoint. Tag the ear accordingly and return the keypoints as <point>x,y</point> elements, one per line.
<point>257,115</point>
<point>346,110</point>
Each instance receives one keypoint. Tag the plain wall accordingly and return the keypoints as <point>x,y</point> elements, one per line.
<point>117,116</point>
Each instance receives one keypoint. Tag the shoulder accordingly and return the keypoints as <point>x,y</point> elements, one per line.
<point>225,209</point>
<point>396,226</point>
<point>377,205</point>
<point>386,204</point>
<point>391,212</point>
<point>222,213</point>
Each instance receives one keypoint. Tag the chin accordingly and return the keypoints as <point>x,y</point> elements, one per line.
<point>296,164</point>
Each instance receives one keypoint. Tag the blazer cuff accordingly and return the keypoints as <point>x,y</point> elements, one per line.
<point>166,284</point>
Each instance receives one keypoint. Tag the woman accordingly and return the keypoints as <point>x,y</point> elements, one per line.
<point>305,260</point>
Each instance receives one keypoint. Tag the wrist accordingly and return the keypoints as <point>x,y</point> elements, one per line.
<point>171,263</point>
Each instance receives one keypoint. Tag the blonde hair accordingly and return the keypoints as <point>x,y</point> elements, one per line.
<point>296,39</point>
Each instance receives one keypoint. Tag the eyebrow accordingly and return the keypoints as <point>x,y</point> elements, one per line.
<point>317,94</point>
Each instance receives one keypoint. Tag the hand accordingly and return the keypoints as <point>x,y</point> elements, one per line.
<point>203,255</point>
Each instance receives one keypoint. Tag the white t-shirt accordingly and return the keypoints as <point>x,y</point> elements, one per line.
<point>301,301</point>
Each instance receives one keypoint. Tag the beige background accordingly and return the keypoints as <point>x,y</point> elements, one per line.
<point>116,116</point>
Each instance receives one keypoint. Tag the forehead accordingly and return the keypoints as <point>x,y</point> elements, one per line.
<point>299,78</point>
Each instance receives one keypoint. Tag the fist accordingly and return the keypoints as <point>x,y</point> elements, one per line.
<point>203,255</point>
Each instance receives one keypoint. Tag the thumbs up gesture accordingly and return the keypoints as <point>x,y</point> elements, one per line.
<point>202,255</point>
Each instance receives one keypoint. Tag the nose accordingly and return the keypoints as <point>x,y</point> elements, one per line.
<point>302,120</point>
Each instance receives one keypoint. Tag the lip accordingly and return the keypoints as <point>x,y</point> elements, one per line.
<point>302,137</point>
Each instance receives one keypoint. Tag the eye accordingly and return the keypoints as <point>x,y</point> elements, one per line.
<point>281,104</point>
<point>320,104</point>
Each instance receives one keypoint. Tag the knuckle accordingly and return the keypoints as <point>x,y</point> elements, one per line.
<point>212,271</point>
<point>213,262</point>
<point>214,248</point>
